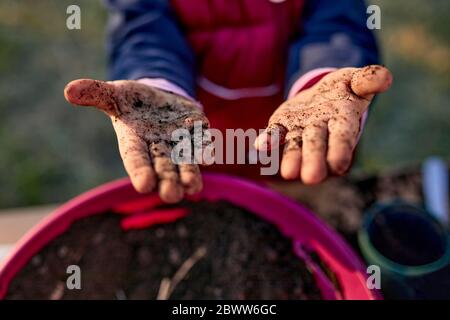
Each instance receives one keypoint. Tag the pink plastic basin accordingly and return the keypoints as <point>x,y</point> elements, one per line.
<point>296,222</point>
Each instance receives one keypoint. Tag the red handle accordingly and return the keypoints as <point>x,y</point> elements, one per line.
<point>148,219</point>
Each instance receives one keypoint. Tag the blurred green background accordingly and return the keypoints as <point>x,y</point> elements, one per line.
<point>50,152</point>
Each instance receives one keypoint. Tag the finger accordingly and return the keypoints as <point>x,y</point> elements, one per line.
<point>314,167</point>
<point>272,137</point>
<point>292,155</point>
<point>170,189</point>
<point>196,121</point>
<point>371,80</point>
<point>343,134</point>
<point>190,178</point>
<point>203,149</point>
<point>88,92</point>
<point>203,145</point>
<point>136,159</point>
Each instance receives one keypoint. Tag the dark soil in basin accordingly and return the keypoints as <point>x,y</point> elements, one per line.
<point>234,255</point>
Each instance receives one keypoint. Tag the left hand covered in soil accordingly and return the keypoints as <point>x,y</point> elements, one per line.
<point>144,119</point>
<point>320,126</point>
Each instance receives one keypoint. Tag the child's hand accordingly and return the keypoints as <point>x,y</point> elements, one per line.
<point>320,125</point>
<point>144,119</point>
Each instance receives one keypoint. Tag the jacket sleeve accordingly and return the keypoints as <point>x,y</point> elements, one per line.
<point>145,41</point>
<point>333,35</point>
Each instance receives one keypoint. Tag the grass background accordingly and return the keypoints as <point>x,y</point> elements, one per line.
<point>50,152</point>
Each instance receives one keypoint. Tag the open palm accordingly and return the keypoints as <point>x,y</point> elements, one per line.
<point>144,119</point>
<point>320,125</point>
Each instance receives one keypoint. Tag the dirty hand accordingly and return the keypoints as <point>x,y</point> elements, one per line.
<point>144,119</point>
<point>319,127</point>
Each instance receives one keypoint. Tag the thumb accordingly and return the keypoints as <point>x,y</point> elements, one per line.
<point>371,80</point>
<point>88,92</point>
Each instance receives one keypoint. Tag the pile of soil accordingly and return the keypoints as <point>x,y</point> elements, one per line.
<point>234,255</point>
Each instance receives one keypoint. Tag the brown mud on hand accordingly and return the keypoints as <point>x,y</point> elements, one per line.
<point>320,125</point>
<point>144,119</point>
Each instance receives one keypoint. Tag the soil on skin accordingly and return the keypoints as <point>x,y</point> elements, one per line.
<point>246,258</point>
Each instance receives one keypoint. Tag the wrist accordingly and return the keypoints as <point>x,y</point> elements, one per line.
<point>168,86</point>
<point>308,80</point>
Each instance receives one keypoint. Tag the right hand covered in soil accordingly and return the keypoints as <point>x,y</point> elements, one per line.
<point>144,119</point>
<point>320,126</point>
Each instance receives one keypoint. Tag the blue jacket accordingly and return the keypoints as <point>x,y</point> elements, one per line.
<point>236,44</point>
